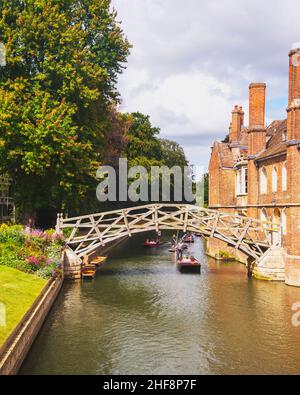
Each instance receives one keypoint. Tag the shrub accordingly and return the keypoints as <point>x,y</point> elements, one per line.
<point>67,232</point>
<point>32,251</point>
<point>38,262</point>
<point>54,253</point>
<point>224,254</point>
<point>13,233</point>
<point>9,257</point>
<point>46,272</point>
<point>50,232</point>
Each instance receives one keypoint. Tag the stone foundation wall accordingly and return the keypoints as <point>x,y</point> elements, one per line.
<point>14,350</point>
<point>72,265</point>
<point>215,246</point>
<point>271,266</point>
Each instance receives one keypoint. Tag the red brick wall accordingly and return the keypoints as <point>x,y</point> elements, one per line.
<point>293,172</point>
<point>273,197</point>
<point>221,183</point>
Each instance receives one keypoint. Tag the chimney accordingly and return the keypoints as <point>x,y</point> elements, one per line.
<point>293,132</point>
<point>257,132</point>
<point>257,99</point>
<point>236,124</point>
<point>242,115</point>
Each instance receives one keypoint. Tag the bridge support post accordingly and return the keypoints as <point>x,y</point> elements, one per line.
<point>72,265</point>
<point>250,266</point>
<point>58,224</point>
<point>271,266</point>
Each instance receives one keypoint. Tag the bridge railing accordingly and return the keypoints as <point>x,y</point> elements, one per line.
<point>89,232</point>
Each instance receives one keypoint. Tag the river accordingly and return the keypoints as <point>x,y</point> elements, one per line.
<point>141,316</point>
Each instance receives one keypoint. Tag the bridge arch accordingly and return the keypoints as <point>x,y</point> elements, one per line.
<point>93,231</point>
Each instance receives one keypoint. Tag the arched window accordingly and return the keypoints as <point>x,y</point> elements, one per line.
<point>274,179</point>
<point>284,177</point>
<point>263,180</point>
<point>264,217</point>
<point>283,221</point>
<point>242,181</point>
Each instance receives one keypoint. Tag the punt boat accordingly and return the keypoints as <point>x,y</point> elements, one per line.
<point>189,265</point>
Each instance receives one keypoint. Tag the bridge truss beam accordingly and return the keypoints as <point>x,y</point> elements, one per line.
<point>90,232</point>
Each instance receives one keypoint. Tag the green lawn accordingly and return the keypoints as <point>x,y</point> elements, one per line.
<point>18,291</point>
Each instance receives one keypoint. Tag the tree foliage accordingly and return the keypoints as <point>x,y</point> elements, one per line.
<point>57,92</point>
<point>143,147</point>
<point>173,154</point>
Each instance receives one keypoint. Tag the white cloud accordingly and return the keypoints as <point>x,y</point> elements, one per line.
<point>193,102</point>
<point>192,61</point>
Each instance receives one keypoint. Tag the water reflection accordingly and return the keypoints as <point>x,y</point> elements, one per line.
<point>141,316</point>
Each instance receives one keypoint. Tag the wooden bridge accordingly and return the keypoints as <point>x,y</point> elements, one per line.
<point>91,232</point>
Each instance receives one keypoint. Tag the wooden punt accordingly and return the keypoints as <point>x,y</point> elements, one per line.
<point>189,239</point>
<point>151,244</point>
<point>188,265</point>
<point>89,271</point>
<point>99,260</point>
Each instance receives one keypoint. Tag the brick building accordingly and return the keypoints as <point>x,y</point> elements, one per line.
<point>255,171</point>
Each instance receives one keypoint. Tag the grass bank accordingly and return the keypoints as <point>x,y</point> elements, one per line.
<point>18,291</point>
<point>28,259</point>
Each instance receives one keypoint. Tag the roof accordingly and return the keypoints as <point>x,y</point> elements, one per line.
<point>225,154</point>
<point>275,145</point>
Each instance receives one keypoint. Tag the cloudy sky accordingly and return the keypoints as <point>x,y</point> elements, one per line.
<point>193,60</point>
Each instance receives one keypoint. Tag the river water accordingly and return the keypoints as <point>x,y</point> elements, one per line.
<point>141,316</point>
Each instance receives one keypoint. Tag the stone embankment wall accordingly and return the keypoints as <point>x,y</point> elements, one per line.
<point>15,349</point>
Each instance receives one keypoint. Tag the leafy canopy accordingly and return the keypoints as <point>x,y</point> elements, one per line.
<point>56,94</point>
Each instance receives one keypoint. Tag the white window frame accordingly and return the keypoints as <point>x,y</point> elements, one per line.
<point>242,181</point>
<point>264,216</point>
<point>274,179</point>
<point>283,221</point>
<point>263,181</point>
<point>284,177</point>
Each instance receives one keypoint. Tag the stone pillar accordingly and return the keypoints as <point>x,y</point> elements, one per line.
<point>292,261</point>
<point>256,141</point>
<point>72,265</point>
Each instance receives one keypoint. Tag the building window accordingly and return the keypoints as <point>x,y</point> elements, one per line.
<point>263,180</point>
<point>283,221</point>
<point>284,135</point>
<point>264,216</point>
<point>242,181</point>
<point>284,177</point>
<point>274,179</point>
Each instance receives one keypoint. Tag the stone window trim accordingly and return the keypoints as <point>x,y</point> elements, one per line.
<point>241,188</point>
<point>283,221</point>
<point>263,181</point>
<point>284,177</point>
<point>274,179</point>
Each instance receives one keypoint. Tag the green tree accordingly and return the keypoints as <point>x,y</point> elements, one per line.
<point>203,186</point>
<point>143,146</point>
<point>206,189</point>
<point>56,94</point>
<point>173,154</point>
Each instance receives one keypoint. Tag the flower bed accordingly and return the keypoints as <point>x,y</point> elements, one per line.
<point>31,250</point>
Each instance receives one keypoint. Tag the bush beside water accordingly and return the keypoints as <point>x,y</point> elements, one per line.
<point>31,250</point>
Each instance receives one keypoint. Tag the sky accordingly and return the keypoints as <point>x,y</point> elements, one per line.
<point>193,60</point>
